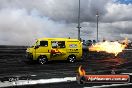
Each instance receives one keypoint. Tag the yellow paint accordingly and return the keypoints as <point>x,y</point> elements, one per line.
<point>71,47</point>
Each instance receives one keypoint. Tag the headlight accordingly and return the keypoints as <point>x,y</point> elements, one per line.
<point>27,50</point>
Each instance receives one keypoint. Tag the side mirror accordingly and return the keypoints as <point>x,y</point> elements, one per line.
<point>36,47</point>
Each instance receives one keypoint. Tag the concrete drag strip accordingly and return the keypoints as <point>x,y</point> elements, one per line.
<point>40,81</point>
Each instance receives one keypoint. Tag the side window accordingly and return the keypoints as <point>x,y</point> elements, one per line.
<point>73,45</point>
<point>58,44</point>
<point>44,43</point>
<point>54,44</point>
<point>61,44</point>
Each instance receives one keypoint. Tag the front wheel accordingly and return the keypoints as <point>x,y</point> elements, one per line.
<point>71,59</point>
<point>42,60</point>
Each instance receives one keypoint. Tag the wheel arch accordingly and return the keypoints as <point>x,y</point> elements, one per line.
<point>72,55</point>
<point>41,56</point>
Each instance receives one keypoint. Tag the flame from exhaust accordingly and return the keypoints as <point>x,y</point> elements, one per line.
<point>81,71</point>
<point>109,47</point>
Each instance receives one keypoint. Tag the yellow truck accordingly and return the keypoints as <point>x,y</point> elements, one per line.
<point>47,49</point>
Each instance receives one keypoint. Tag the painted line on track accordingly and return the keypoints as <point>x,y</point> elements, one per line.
<point>33,82</point>
<point>127,73</point>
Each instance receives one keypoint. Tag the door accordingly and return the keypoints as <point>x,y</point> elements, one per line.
<point>58,50</point>
<point>74,48</point>
<point>42,49</point>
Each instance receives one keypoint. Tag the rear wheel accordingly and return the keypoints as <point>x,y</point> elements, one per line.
<point>42,60</point>
<point>71,59</point>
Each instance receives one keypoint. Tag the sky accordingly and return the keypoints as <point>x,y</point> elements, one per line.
<point>125,1</point>
<point>23,21</point>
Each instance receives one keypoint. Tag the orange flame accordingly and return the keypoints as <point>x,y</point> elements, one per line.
<point>81,71</point>
<point>109,47</point>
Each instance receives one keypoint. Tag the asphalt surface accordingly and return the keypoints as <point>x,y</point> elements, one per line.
<point>13,63</point>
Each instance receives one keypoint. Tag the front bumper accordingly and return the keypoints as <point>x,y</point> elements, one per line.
<point>29,56</point>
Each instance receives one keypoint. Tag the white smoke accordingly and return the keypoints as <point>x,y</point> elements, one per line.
<point>22,21</point>
<point>18,27</point>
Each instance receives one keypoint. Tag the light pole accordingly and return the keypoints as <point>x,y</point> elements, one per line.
<point>97,15</point>
<point>79,22</point>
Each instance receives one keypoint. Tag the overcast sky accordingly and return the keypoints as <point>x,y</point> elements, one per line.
<point>22,21</point>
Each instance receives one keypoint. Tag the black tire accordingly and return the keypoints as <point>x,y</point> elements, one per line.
<point>42,60</point>
<point>71,59</point>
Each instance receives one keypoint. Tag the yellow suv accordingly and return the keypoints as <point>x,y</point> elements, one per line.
<point>47,49</point>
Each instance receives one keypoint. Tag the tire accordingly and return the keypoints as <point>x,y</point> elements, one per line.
<point>42,60</point>
<point>71,59</point>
